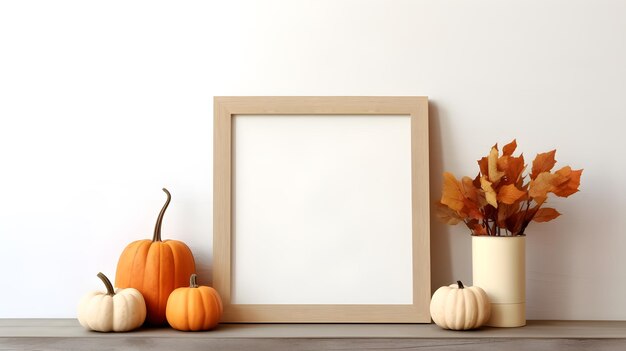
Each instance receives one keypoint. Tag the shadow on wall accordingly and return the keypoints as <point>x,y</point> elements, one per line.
<point>194,210</point>
<point>440,253</point>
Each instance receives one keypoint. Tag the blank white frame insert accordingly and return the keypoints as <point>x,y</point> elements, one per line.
<point>341,186</point>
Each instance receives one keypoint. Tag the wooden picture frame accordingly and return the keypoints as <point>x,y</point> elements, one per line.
<point>416,108</point>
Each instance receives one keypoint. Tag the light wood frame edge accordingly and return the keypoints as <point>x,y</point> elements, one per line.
<point>417,108</point>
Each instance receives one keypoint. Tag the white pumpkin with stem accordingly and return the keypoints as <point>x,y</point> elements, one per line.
<point>114,310</point>
<point>458,307</point>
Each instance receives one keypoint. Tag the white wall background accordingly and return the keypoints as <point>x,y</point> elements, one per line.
<point>104,103</point>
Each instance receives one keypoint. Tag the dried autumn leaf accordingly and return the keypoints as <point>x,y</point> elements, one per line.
<point>471,201</point>
<point>490,194</point>
<point>545,214</point>
<point>490,211</point>
<point>452,195</point>
<point>478,229</point>
<point>514,222</point>
<point>505,212</point>
<point>482,200</point>
<point>446,215</point>
<point>565,171</point>
<point>470,224</point>
<point>476,181</point>
<point>544,183</point>
<point>492,163</point>
<point>472,212</point>
<point>503,163</point>
<point>573,181</point>
<point>543,163</point>
<point>509,194</point>
<point>483,166</point>
<point>512,168</point>
<point>509,148</point>
<point>468,189</point>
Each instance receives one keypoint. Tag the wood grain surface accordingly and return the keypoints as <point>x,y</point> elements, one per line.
<point>67,334</point>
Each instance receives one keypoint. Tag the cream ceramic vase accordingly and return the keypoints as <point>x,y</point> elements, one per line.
<point>499,268</point>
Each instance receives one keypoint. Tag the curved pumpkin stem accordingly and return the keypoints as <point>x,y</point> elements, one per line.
<point>157,227</point>
<point>107,283</point>
<point>460,284</point>
<point>192,281</point>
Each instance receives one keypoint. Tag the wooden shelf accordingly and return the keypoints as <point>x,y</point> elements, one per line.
<point>67,334</point>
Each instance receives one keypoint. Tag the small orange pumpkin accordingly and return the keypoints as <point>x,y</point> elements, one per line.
<point>194,308</point>
<point>155,268</point>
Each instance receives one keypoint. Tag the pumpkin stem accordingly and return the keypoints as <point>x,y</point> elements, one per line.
<point>107,283</point>
<point>192,281</point>
<point>460,284</point>
<point>157,227</point>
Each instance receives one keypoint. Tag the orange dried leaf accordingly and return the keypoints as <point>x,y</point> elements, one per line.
<point>452,195</point>
<point>573,182</point>
<point>509,194</point>
<point>447,215</point>
<point>514,222</point>
<point>503,163</point>
<point>543,163</point>
<point>565,171</point>
<point>545,214</point>
<point>470,224</point>
<point>476,181</point>
<point>478,229</point>
<point>472,210</point>
<point>471,201</point>
<point>468,189</point>
<point>505,211</point>
<point>490,194</point>
<point>492,163</point>
<point>483,166</point>
<point>509,148</point>
<point>544,183</point>
<point>512,168</point>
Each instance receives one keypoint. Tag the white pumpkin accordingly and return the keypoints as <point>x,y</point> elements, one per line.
<point>119,310</point>
<point>460,308</point>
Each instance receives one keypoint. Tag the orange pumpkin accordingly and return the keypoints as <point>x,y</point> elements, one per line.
<point>155,268</point>
<point>194,308</point>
